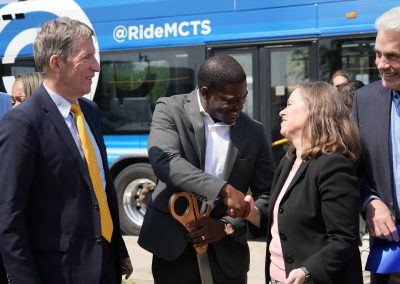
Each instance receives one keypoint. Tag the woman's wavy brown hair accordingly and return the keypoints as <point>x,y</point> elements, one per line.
<point>329,128</point>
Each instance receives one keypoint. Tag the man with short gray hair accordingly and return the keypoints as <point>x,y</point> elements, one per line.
<point>376,109</point>
<point>58,207</point>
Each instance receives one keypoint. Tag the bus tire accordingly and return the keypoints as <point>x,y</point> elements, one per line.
<point>129,184</point>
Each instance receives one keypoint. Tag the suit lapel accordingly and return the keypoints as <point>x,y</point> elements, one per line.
<point>236,134</point>
<point>282,179</point>
<point>303,166</point>
<point>193,111</point>
<point>382,113</point>
<point>61,127</point>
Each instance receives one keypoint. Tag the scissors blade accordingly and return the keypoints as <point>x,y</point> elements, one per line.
<point>204,268</point>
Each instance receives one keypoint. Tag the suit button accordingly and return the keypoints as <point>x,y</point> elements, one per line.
<point>96,206</point>
<point>280,210</point>
<point>98,239</point>
<point>289,259</point>
<point>282,236</point>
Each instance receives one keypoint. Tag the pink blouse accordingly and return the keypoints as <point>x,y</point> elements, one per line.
<point>277,266</point>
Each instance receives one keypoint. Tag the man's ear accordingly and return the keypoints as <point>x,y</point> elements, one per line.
<point>55,63</point>
<point>205,93</point>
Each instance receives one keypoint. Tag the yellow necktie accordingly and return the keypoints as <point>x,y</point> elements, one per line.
<point>94,172</point>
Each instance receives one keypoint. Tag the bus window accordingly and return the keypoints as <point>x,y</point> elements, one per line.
<point>246,60</point>
<point>131,82</point>
<point>289,66</point>
<point>355,57</point>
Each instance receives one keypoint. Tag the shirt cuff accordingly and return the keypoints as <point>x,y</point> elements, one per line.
<point>368,199</point>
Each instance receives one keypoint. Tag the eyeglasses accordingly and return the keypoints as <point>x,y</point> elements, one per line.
<point>19,99</point>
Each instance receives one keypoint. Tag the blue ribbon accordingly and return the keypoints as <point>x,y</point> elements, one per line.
<point>384,256</point>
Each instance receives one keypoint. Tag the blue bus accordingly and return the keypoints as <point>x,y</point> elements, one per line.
<point>149,49</point>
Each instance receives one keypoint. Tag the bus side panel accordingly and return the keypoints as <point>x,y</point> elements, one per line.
<point>212,28</point>
<point>332,16</point>
<point>117,10</point>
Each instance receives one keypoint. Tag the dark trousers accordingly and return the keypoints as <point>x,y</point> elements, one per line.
<point>3,275</point>
<point>185,270</point>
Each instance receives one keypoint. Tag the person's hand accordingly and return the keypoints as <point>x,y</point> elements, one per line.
<point>380,221</point>
<point>126,267</point>
<point>249,199</point>
<point>254,215</point>
<point>205,231</point>
<point>146,190</point>
<point>296,276</point>
<point>234,200</point>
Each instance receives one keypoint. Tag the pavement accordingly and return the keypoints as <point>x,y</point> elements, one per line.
<point>141,261</point>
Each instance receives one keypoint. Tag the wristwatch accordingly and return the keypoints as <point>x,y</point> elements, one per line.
<point>229,229</point>
<point>308,276</point>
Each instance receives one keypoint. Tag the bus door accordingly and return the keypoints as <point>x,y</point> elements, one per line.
<point>248,58</point>
<point>272,74</point>
<point>285,67</point>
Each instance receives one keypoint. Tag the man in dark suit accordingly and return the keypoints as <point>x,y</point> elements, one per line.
<point>203,144</point>
<point>376,110</point>
<point>52,228</point>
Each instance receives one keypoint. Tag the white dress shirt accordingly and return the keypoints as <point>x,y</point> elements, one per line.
<point>64,107</point>
<point>217,143</point>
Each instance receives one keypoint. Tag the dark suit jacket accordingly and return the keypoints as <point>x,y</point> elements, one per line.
<point>177,153</point>
<point>49,218</point>
<point>317,219</point>
<point>371,111</point>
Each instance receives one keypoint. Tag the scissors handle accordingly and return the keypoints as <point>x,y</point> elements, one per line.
<point>200,215</point>
<point>190,214</point>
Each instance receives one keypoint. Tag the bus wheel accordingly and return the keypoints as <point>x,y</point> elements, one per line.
<point>133,184</point>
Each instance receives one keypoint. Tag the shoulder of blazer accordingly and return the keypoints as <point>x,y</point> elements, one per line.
<point>285,159</point>
<point>178,99</point>
<point>328,163</point>
<point>326,158</point>
<point>371,91</point>
<point>176,104</point>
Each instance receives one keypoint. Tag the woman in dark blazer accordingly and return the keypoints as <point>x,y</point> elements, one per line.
<point>312,217</point>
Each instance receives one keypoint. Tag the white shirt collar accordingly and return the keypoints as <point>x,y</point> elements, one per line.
<point>62,104</point>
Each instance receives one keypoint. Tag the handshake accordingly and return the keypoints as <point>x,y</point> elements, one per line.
<point>239,205</point>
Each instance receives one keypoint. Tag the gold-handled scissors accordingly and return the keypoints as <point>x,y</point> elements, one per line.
<point>192,213</point>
